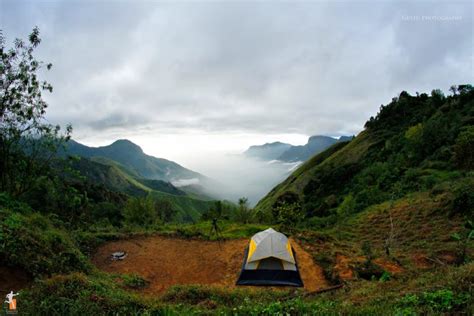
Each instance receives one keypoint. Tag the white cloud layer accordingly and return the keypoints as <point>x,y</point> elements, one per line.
<point>221,71</point>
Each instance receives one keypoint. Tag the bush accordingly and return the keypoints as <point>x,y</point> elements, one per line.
<point>79,294</point>
<point>288,215</point>
<point>134,281</point>
<point>32,243</point>
<point>464,149</point>
<point>437,301</point>
<point>347,207</point>
<point>463,198</point>
<point>140,212</point>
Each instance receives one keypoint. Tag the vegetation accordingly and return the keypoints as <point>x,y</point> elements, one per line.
<point>387,214</point>
<point>415,143</point>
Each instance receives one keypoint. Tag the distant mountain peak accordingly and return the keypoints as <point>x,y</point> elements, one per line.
<point>319,137</point>
<point>132,157</point>
<point>126,144</point>
<point>267,151</point>
<point>289,153</point>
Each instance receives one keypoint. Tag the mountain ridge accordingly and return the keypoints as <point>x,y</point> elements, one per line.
<point>132,156</point>
<point>290,153</point>
<point>412,139</point>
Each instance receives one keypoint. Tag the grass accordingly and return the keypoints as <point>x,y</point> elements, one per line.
<point>100,294</point>
<point>203,230</point>
<point>436,289</point>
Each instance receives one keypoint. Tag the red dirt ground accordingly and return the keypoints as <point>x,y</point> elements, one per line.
<point>344,269</point>
<point>389,266</point>
<point>168,261</point>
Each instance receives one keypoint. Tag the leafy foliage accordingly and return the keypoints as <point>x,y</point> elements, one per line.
<point>29,240</point>
<point>27,141</point>
<point>141,212</point>
<point>437,301</point>
<point>413,144</point>
<point>243,213</point>
<point>464,148</point>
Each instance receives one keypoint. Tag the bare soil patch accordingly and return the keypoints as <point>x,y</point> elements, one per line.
<point>169,261</point>
<point>389,266</point>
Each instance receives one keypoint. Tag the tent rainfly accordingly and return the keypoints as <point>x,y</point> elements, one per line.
<point>270,260</point>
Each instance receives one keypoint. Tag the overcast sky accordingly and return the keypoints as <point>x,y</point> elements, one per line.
<point>183,79</point>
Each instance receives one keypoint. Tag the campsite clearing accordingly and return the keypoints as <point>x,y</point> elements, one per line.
<point>165,262</point>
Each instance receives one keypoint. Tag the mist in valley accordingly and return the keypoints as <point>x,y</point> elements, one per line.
<point>235,175</point>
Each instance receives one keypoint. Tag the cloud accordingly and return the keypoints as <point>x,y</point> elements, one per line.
<point>239,67</point>
<point>185,182</point>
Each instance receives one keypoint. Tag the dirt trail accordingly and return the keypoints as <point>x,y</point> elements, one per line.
<point>168,261</point>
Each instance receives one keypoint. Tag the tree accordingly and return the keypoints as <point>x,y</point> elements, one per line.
<point>140,211</point>
<point>453,89</point>
<point>464,149</point>
<point>214,212</point>
<point>288,215</point>
<point>244,213</point>
<point>165,210</point>
<point>27,141</point>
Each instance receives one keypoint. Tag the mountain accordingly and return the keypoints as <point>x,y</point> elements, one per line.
<point>132,157</point>
<point>109,175</point>
<point>414,144</point>
<point>117,178</point>
<point>268,151</point>
<point>289,153</point>
<point>345,138</point>
<point>315,145</point>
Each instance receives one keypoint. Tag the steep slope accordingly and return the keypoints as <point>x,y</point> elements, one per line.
<point>416,143</point>
<point>110,176</point>
<point>390,212</point>
<point>268,151</point>
<point>118,178</point>
<point>132,156</point>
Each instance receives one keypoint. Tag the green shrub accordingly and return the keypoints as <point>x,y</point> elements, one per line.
<point>463,198</point>
<point>288,215</point>
<point>140,211</point>
<point>32,243</point>
<point>347,207</point>
<point>443,300</point>
<point>134,281</point>
<point>79,294</point>
<point>464,149</point>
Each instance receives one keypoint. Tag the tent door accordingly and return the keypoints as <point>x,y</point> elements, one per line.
<point>270,264</point>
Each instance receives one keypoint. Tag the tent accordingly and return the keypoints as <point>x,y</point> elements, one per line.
<point>269,260</point>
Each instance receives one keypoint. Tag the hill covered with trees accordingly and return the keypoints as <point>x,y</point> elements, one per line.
<point>415,143</point>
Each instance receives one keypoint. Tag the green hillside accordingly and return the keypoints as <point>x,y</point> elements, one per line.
<point>116,177</point>
<point>415,143</point>
<point>390,213</point>
<point>132,157</point>
<point>136,180</point>
<point>188,208</point>
<point>109,175</point>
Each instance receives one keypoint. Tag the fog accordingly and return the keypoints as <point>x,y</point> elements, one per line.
<point>238,176</point>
